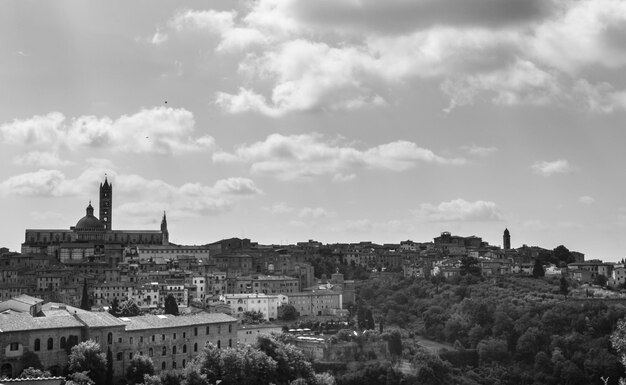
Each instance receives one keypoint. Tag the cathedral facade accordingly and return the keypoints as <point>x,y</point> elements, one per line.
<point>92,238</point>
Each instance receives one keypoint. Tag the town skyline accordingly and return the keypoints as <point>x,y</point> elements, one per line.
<point>281,122</point>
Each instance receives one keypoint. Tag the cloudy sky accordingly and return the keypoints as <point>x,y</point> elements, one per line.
<point>334,120</point>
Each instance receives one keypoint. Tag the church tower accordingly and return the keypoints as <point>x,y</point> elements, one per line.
<point>507,239</point>
<point>166,234</point>
<point>106,204</point>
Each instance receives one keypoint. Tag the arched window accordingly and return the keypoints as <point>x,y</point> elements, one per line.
<point>184,348</point>
<point>164,352</point>
<point>110,338</point>
<point>37,346</point>
<point>150,352</point>
<point>174,350</point>
<point>163,366</point>
<point>50,343</point>
<point>195,347</point>
<point>62,344</point>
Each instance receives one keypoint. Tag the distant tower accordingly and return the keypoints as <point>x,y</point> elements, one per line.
<point>106,204</point>
<point>166,234</point>
<point>507,239</point>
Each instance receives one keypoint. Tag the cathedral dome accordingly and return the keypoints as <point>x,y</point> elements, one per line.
<point>89,221</point>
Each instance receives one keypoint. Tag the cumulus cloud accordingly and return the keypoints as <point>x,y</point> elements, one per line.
<point>476,150</point>
<point>460,210</point>
<point>311,155</point>
<point>189,199</point>
<point>315,213</point>
<point>586,200</point>
<point>279,208</point>
<point>330,55</point>
<point>549,168</point>
<point>158,130</point>
<point>41,159</point>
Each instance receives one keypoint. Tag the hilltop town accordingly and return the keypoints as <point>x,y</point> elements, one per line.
<point>135,292</point>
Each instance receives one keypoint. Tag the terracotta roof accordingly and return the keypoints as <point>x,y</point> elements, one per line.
<point>167,321</point>
<point>24,321</point>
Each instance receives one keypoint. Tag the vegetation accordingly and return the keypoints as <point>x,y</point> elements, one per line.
<point>139,367</point>
<point>31,372</point>
<point>287,312</point>
<point>506,330</point>
<point>171,307</point>
<point>87,357</point>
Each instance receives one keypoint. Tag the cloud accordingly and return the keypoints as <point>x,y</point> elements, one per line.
<point>41,159</point>
<point>189,199</point>
<point>315,213</point>
<point>279,208</point>
<point>310,155</point>
<point>296,56</point>
<point>473,149</point>
<point>460,210</point>
<point>586,200</point>
<point>549,168</point>
<point>159,130</point>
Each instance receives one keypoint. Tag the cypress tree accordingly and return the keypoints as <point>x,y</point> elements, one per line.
<point>84,302</point>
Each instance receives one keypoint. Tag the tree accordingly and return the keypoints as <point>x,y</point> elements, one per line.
<point>31,372</point>
<point>88,357</point>
<point>600,280</point>
<point>538,270</point>
<point>394,343</point>
<point>469,266</point>
<point>109,375</point>
<point>287,312</point>
<point>138,367</point>
<point>30,360</point>
<point>171,307</point>
<point>290,361</point>
<point>562,254</point>
<point>79,378</point>
<point>115,307</point>
<point>129,308</point>
<point>84,301</point>
<point>253,317</point>
<point>563,286</point>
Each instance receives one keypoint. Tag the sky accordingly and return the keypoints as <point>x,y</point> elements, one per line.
<point>334,120</point>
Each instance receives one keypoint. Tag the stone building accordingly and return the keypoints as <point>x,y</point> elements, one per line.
<point>92,238</point>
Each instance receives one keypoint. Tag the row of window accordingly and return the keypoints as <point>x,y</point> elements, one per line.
<point>120,355</point>
<point>50,343</point>
<point>163,336</point>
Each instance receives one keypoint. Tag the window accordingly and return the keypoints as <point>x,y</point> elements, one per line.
<point>230,343</point>
<point>119,340</point>
<point>62,343</point>
<point>162,337</point>
<point>207,330</point>
<point>219,329</point>
<point>130,340</point>
<point>15,346</point>
<point>50,344</point>
<point>150,352</point>
<point>184,362</point>
<point>219,344</point>
<point>37,346</point>
<point>153,338</point>
<point>164,351</point>
<point>184,334</point>
<point>184,348</point>
<point>119,356</point>
<point>174,350</point>
<point>230,328</point>
<point>163,366</point>
<point>174,337</point>
<point>141,339</point>
<point>195,347</point>
<point>174,365</point>
<point>195,331</point>
<point>130,356</point>
<point>110,338</point>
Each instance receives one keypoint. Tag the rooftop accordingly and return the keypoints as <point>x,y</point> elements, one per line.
<point>151,321</point>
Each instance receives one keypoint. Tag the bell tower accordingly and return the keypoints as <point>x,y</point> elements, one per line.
<point>506,238</point>
<point>106,204</point>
